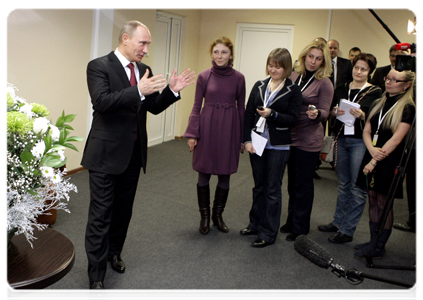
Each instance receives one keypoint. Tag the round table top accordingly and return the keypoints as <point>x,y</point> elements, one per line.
<point>51,258</point>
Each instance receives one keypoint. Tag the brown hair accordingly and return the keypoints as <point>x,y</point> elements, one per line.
<point>282,58</point>
<point>370,59</point>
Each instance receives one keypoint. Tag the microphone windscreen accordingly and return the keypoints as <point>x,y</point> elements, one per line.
<point>402,46</point>
<point>313,251</point>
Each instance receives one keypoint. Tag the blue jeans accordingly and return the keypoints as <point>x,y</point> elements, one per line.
<point>265,214</point>
<point>351,198</point>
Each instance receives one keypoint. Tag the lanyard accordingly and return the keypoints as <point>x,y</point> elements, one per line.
<point>380,115</point>
<point>349,92</point>
<point>306,83</point>
<point>268,96</point>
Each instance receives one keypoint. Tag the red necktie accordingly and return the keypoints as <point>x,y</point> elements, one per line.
<point>133,81</point>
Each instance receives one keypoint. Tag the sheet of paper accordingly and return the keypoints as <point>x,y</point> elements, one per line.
<point>259,143</point>
<point>347,118</point>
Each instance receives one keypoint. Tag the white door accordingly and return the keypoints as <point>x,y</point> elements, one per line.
<point>167,39</point>
<point>254,42</point>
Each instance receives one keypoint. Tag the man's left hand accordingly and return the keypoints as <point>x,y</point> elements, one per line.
<point>178,82</point>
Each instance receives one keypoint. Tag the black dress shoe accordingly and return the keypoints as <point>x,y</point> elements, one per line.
<point>260,243</point>
<point>292,236</point>
<point>404,227</point>
<point>97,290</point>
<point>285,228</point>
<point>117,263</point>
<point>328,228</point>
<point>247,231</point>
<point>340,238</point>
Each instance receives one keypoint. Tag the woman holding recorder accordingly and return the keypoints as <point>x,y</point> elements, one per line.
<point>272,109</point>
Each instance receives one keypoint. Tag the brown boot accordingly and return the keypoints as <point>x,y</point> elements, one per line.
<point>220,198</point>
<point>203,194</point>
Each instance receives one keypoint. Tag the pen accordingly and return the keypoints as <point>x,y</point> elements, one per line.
<point>336,109</point>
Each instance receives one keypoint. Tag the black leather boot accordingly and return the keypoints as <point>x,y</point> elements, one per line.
<point>220,198</point>
<point>203,194</point>
<point>373,227</point>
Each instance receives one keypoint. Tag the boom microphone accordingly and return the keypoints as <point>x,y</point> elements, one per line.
<point>313,251</point>
<point>402,46</point>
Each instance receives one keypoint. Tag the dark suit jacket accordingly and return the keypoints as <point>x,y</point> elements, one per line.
<point>118,115</point>
<point>378,77</point>
<point>343,70</point>
<point>287,104</point>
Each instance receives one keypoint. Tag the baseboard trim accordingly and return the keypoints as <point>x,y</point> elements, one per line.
<point>74,171</point>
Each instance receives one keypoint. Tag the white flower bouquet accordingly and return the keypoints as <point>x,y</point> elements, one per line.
<point>35,164</point>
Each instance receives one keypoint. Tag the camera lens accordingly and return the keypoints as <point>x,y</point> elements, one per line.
<point>406,64</point>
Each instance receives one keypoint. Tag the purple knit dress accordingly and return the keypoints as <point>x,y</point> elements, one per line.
<point>218,124</point>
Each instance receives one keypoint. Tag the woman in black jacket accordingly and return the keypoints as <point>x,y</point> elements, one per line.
<point>273,107</point>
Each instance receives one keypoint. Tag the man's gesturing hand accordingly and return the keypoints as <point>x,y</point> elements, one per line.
<point>147,86</point>
<point>178,83</point>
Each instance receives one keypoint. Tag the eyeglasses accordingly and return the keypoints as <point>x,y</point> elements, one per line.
<point>393,80</point>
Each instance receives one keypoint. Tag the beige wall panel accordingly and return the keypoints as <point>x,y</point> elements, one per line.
<point>47,55</point>
<point>309,24</point>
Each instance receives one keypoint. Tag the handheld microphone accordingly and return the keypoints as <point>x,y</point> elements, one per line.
<point>402,46</point>
<point>313,251</point>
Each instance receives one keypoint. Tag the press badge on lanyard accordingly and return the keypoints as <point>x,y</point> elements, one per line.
<point>375,136</point>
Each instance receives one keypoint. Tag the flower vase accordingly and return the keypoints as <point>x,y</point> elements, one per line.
<point>48,218</point>
<point>10,235</point>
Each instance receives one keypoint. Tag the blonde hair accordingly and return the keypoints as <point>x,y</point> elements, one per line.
<point>325,69</point>
<point>394,117</point>
<point>282,58</point>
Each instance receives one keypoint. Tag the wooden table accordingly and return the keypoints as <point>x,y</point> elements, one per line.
<point>52,258</point>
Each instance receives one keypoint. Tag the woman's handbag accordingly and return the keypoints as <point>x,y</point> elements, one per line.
<point>327,151</point>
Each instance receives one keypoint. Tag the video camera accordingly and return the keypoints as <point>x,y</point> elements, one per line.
<point>405,62</point>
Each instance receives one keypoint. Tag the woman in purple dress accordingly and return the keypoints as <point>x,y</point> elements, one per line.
<point>215,130</point>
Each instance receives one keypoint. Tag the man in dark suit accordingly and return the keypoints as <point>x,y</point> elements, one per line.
<point>379,75</point>
<point>342,71</point>
<point>122,90</point>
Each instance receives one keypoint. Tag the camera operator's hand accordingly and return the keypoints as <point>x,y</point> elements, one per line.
<point>416,55</point>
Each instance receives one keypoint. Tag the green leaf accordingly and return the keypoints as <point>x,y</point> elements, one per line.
<point>67,126</point>
<point>26,156</point>
<point>32,192</point>
<point>62,136</point>
<point>70,146</point>
<point>47,141</point>
<point>51,161</point>
<point>59,122</point>
<point>58,147</point>
<point>74,139</point>
<point>69,118</point>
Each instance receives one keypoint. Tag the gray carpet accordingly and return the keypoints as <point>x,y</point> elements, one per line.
<point>165,251</point>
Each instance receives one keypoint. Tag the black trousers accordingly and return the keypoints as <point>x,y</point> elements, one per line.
<point>111,201</point>
<point>301,166</point>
